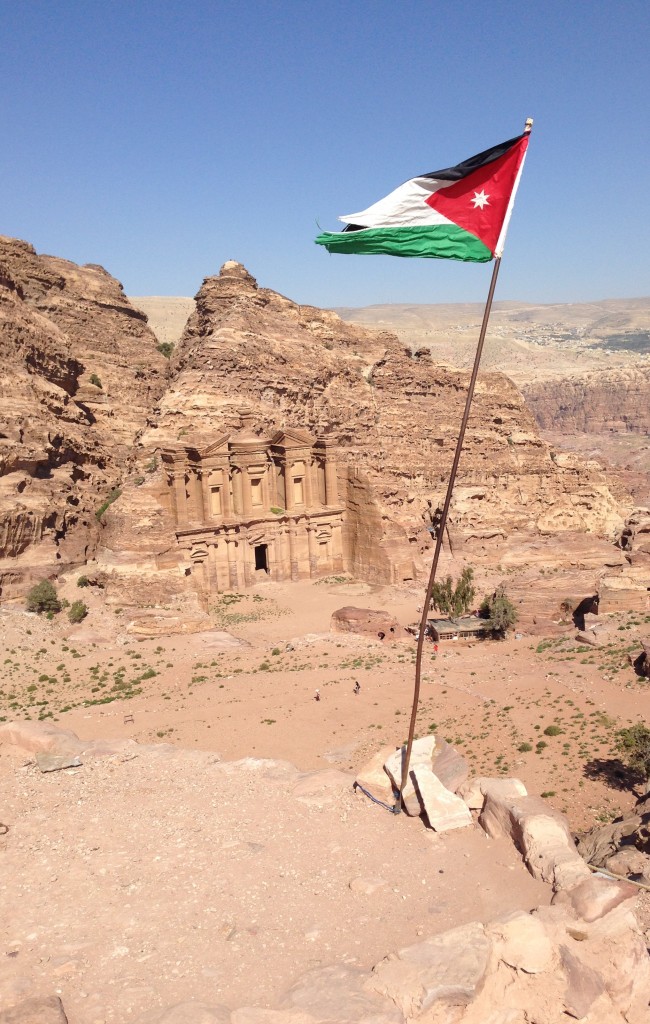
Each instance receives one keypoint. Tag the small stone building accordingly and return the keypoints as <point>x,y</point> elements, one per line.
<point>453,629</point>
<point>247,507</point>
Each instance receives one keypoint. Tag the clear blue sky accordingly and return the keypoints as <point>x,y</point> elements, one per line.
<point>162,138</point>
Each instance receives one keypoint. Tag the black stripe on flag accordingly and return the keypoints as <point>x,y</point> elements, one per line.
<point>473,162</point>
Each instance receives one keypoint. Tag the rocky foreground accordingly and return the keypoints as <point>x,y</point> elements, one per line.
<point>153,885</point>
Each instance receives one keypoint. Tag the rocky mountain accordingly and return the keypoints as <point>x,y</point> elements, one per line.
<point>394,415</point>
<point>89,400</point>
<point>80,371</point>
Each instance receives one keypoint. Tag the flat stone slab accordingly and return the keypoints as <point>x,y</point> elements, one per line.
<point>443,808</point>
<point>55,762</point>
<point>421,755</point>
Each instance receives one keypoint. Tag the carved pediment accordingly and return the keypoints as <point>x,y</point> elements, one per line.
<point>217,447</point>
<point>291,438</point>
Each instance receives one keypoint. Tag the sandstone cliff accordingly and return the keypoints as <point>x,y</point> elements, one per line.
<point>610,400</point>
<point>395,417</point>
<point>80,371</point>
<point>89,398</point>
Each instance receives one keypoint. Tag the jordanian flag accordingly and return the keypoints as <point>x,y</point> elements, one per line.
<point>459,213</point>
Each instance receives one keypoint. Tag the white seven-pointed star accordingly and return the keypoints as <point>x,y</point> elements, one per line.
<point>480,199</point>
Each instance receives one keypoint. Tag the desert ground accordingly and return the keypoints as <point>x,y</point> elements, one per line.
<point>543,709</point>
<point>223,880</point>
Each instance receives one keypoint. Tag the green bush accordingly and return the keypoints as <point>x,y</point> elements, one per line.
<point>83,581</point>
<point>113,496</point>
<point>78,611</point>
<point>500,610</point>
<point>633,744</point>
<point>552,730</point>
<point>523,748</point>
<point>43,598</point>
<point>94,379</point>
<point>166,348</point>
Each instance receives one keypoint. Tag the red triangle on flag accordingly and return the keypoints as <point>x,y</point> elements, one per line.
<point>478,202</point>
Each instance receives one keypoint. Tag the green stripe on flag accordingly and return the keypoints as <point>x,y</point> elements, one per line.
<point>437,241</point>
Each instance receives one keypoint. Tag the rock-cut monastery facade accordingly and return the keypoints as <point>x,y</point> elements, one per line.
<point>247,507</point>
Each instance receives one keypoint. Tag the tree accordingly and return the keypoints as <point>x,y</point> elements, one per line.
<point>454,600</point>
<point>94,379</point>
<point>500,610</point>
<point>633,743</point>
<point>78,611</point>
<point>43,598</point>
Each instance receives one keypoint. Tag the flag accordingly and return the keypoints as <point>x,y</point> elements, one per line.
<point>459,213</point>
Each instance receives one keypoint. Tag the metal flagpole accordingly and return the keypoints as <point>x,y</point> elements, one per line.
<point>445,511</point>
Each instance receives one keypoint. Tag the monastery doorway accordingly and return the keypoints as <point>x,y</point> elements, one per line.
<point>262,557</point>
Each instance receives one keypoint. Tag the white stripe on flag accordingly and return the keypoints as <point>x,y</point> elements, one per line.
<point>404,207</point>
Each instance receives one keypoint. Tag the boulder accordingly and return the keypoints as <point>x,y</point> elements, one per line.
<point>584,985</point>
<point>444,810</point>
<point>367,622</point>
<point>596,896</point>
<point>587,638</point>
<point>522,942</point>
<point>55,762</point>
<point>631,863</point>
<point>421,756</point>
<point>448,967</point>
<point>374,778</point>
<point>474,791</point>
<point>41,737</point>
<point>448,765</point>
<point>540,834</point>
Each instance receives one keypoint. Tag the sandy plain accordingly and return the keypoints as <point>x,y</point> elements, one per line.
<point>179,872</point>
<point>543,709</point>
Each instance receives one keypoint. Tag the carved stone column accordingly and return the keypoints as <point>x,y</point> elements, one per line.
<point>293,554</point>
<point>331,483</point>
<point>237,492</point>
<point>233,575</point>
<point>309,499</point>
<point>287,468</point>
<point>226,504</point>
<point>180,497</point>
<point>247,508</point>
<point>313,550</point>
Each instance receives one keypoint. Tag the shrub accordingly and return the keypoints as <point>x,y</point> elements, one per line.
<point>633,743</point>
<point>78,611</point>
<point>166,348</point>
<point>43,598</point>
<point>552,730</point>
<point>94,379</point>
<point>500,610</point>
<point>523,748</point>
<point>113,496</point>
<point>83,581</point>
<point>152,465</point>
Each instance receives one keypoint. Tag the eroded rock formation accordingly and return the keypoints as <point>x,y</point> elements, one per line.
<point>83,368</point>
<point>80,370</point>
<point>614,399</point>
<point>394,417</point>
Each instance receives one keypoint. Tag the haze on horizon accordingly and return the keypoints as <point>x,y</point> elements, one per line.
<point>160,141</point>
